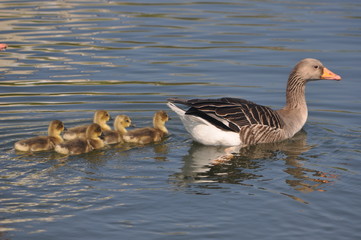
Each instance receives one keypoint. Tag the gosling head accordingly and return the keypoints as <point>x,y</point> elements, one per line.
<point>161,116</point>
<point>94,131</point>
<point>124,120</point>
<point>121,122</point>
<point>101,116</point>
<point>55,127</point>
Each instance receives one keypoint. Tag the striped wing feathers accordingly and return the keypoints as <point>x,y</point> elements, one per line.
<point>231,114</point>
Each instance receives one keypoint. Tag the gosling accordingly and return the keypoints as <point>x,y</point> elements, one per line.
<point>121,122</point>
<point>83,145</point>
<point>42,143</point>
<point>149,134</point>
<point>101,117</point>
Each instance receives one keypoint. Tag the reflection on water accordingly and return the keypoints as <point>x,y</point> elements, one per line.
<point>208,164</point>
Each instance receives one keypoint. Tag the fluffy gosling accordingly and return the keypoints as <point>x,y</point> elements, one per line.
<point>121,122</point>
<point>77,146</point>
<point>101,117</point>
<point>149,134</point>
<point>42,143</point>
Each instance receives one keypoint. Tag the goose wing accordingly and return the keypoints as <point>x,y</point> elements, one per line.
<point>231,114</point>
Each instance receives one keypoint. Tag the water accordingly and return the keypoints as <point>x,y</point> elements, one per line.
<point>68,58</point>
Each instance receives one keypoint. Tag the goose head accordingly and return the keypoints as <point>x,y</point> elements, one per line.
<point>161,116</point>
<point>310,69</point>
<point>121,122</point>
<point>94,131</point>
<point>55,128</point>
<point>101,117</point>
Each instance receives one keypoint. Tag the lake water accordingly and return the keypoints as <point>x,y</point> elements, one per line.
<point>68,58</point>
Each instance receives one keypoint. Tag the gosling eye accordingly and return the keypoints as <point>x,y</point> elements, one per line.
<point>316,67</point>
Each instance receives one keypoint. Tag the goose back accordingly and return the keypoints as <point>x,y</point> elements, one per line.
<point>144,135</point>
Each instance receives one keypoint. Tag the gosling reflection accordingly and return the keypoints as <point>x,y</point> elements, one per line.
<point>236,165</point>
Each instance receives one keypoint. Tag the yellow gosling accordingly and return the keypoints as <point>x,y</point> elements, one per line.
<point>101,117</point>
<point>42,143</point>
<point>121,122</point>
<point>77,146</point>
<point>149,134</point>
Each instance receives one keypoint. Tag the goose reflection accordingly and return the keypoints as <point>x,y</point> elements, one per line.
<point>238,165</point>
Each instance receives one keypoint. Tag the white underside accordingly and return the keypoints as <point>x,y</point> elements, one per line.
<point>22,147</point>
<point>62,150</point>
<point>204,132</point>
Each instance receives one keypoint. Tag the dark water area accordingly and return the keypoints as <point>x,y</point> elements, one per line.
<point>67,59</point>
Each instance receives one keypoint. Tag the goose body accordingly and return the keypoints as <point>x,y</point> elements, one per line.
<point>42,143</point>
<point>121,122</point>
<point>101,117</point>
<point>149,134</point>
<point>83,145</point>
<point>232,121</point>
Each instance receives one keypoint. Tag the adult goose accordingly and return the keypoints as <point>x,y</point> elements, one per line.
<point>42,143</point>
<point>233,121</point>
<point>101,117</point>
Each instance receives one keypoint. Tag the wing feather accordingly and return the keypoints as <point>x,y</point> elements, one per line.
<point>231,114</point>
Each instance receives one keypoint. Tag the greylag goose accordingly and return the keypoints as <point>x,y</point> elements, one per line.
<point>121,122</point>
<point>101,117</point>
<point>149,134</point>
<point>42,143</point>
<point>232,121</point>
<point>83,145</point>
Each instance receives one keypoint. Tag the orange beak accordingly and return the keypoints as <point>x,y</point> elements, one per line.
<point>327,74</point>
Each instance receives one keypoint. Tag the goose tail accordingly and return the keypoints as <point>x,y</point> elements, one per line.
<point>176,109</point>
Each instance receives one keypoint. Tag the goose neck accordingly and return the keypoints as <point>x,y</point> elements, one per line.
<point>120,128</point>
<point>295,92</point>
<point>160,125</point>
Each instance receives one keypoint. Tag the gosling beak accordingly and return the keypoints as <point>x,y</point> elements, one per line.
<point>327,74</point>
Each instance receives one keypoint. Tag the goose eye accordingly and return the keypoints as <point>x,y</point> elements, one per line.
<point>316,67</point>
